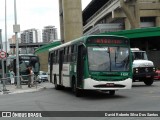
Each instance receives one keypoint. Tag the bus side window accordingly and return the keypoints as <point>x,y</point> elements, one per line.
<point>57,56</point>
<point>69,54</point>
<point>74,53</point>
<point>54,57</point>
<point>64,55</point>
<point>49,58</point>
<point>72,49</point>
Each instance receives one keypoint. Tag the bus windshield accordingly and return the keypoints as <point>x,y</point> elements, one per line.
<point>29,60</point>
<point>104,58</point>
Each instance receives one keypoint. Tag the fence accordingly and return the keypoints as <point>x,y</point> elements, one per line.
<point>7,80</point>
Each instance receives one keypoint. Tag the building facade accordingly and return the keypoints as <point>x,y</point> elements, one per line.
<point>12,40</point>
<point>49,34</point>
<point>29,36</point>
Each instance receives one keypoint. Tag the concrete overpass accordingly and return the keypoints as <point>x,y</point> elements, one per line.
<point>130,11</point>
<point>31,45</point>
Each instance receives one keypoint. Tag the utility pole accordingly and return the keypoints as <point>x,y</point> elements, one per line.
<point>16,29</point>
<point>6,34</point>
<point>2,62</point>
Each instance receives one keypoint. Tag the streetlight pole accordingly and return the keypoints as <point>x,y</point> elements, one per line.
<point>2,62</point>
<point>6,33</point>
<point>16,29</point>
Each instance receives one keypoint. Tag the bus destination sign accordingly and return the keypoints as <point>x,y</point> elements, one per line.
<point>107,41</point>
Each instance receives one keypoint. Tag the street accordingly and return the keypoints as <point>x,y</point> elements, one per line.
<point>139,98</point>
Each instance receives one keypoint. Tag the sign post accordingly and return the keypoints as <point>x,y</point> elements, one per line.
<point>2,54</point>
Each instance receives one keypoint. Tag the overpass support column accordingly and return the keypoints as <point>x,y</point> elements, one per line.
<point>61,20</point>
<point>158,21</point>
<point>127,24</point>
<point>70,19</point>
<point>131,10</point>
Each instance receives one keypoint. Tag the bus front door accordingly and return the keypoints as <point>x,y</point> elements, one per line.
<point>60,66</point>
<point>80,65</point>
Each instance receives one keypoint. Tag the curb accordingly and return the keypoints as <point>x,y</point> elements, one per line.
<point>22,91</point>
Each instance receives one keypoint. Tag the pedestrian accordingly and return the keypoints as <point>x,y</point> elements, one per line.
<point>28,71</point>
<point>32,76</point>
<point>12,75</point>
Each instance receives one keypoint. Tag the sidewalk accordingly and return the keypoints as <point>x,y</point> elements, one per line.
<point>12,89</point>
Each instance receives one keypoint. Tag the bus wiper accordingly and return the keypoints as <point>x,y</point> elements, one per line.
<point>115,58</point>
<point>109,58</point>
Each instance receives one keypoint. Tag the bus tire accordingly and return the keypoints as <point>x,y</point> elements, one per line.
<point>148,81</point>
<point>57,87</point>
<point>76,90</point>
<point>112,92</point>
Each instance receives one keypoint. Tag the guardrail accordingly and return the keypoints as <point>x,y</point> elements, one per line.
<point>101,9</point>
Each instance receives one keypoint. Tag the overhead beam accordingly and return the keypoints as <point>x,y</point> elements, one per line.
<point>149,6</point>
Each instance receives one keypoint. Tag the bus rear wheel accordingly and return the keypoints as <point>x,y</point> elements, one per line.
<point>57,87</point>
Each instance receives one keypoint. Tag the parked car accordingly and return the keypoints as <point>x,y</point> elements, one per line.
<point>157,76</point>
<point>42,76</point>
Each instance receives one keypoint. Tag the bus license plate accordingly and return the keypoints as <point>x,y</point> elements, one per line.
<point>110,84</point>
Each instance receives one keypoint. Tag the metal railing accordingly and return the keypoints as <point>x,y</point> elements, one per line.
<point>149,1</point>
<point>7,80</point>
<point>101,9</point>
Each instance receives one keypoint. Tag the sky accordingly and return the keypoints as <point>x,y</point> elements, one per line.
<point>36,15</point>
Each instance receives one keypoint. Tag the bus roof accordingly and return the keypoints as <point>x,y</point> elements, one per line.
<point>83,38</point>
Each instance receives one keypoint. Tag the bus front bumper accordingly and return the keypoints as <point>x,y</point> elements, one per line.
<point>90,84</point>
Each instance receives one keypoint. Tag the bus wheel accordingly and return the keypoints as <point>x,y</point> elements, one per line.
<point>148,81</point>
<point>112,92</point>
<point>57,87</point>
<point>75,90</point>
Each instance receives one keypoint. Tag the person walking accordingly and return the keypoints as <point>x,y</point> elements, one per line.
<point>28,71</point>
<point>12,75</point>
<point>32,76</point>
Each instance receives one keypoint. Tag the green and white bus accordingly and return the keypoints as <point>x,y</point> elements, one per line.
<point>24,61</point>
<point>96,62</point>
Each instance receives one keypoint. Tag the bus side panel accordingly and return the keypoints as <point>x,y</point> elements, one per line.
<point>66,75</point>
<point>55,72</point>
<point>60,66</point>
<point>50,67</point>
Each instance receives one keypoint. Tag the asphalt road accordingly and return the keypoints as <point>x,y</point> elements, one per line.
<point>139,98</point>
